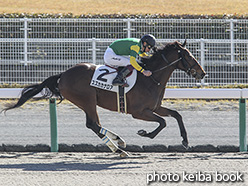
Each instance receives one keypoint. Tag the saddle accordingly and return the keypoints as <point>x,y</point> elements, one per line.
<point>103,78</point>
<point>104,75</point>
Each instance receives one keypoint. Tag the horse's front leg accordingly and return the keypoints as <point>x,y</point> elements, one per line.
<point>162,111</point>
<point>148,115</point>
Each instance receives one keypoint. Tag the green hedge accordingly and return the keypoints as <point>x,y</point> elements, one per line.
<point>83,28</point>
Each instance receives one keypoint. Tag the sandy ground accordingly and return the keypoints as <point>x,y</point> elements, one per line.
<point>71,169</point>
<point>207,122</point>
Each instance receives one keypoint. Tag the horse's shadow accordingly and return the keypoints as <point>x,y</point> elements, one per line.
<point>73,165</point>
<point>69,166</point>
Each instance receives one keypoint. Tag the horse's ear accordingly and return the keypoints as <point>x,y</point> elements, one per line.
<point>184,43</point>
<point>177,44</point>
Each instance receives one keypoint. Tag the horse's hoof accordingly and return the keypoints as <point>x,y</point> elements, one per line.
<point>124,154</point>
<point>185,145</point>
<point>122,144</point>
<point>142,132</point>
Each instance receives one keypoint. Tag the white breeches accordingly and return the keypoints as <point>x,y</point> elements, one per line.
<point>111,59</point>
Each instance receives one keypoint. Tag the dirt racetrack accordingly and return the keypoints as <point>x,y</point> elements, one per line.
<point>207,122</point>
<point>107,169</point>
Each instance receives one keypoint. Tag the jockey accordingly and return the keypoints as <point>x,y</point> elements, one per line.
<point>123,52</point>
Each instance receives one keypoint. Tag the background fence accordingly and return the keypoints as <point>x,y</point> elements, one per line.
<point>33,49</point>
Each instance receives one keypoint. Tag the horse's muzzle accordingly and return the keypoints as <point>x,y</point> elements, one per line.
<point>198,76</point>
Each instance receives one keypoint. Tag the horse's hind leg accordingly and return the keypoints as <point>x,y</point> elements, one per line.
<point>88,105</point>
<point>105,135</point>
<point>113,136</point>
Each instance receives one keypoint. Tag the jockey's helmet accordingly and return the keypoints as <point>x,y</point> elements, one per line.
<point>149,39</point>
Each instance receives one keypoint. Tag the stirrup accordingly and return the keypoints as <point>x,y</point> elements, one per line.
<point>119,82</point>
<point>125,85</point>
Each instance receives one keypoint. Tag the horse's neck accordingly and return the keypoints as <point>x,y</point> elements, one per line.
<point>163,76</point>
<point>160,77</point>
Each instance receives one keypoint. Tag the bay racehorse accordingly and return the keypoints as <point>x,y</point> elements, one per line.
<point>143,100</point>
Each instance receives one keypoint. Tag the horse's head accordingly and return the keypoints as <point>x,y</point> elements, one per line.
<point>188,63</point>
<point>174,55</point>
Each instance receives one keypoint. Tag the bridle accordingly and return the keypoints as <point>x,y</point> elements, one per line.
<point>186,65</point>
<point>168,63</point>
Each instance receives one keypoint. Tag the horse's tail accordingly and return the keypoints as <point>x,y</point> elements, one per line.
<point>51,85</point>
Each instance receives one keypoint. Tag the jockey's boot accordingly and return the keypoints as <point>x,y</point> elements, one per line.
<point>120,78</point>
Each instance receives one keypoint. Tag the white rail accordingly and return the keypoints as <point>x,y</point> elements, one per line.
<point>170,93</point>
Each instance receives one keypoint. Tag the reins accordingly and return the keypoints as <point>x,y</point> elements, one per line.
<point>169,64</point>
<point>172,63</point>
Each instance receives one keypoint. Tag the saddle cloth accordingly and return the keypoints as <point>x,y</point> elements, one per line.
<point>104,75</point>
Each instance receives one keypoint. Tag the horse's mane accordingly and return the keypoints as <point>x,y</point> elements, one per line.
<point>164,48</point>
<point>150,61</point>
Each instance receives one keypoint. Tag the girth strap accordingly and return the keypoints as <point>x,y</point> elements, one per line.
<point>121,100</point>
